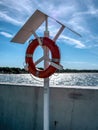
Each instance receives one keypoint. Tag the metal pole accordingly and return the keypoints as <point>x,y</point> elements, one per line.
<point>46,83</point>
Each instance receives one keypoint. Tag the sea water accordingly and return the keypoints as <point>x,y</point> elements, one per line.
<point>58,79</point>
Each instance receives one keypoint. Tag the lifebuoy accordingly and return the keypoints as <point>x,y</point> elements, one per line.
<point>55,54</point>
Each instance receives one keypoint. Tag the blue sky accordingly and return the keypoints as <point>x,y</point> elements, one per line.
<point>80,15</point>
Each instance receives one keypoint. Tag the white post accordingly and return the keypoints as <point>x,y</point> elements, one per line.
<point>46,83</point>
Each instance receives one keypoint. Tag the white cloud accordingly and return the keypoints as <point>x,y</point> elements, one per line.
<point>16,12</point>
<point>91,11</point>
<point>5,17</point>
<point>6,34</point>
<point>72,41</point>
<point>80,18</point>
<point>55,9</point>
<point>21,7</point>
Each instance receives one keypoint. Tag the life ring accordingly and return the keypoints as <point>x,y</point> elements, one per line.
<point>55,55</point>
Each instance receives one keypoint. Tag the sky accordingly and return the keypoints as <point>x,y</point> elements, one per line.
<point>76,52</point>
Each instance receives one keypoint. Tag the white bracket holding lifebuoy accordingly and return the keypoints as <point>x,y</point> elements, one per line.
<point>38,38</point>
<point>59,32</point>
<point>59,67</point>
<point>39,60</point>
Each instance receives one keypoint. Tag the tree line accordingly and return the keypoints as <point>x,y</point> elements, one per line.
<point>13,70</point>
<point>77,71</point>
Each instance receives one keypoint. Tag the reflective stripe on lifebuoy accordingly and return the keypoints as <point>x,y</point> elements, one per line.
<point>55,54</point>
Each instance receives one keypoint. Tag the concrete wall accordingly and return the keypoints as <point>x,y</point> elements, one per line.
<point>21,108</point>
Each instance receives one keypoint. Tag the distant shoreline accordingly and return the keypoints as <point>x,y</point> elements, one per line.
<point>13,70</point>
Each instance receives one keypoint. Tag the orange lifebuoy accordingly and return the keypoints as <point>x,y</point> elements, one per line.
<point>55,54</point>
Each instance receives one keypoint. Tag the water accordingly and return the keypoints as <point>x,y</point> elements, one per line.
<point>63,79</point>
